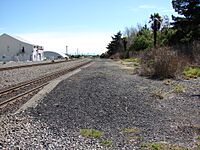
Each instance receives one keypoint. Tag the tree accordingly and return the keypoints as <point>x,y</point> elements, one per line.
<point>116,44</point>
<point>130,33</point>
<point>143,40</point>
<point>189,25</point>
<point>156,22</point>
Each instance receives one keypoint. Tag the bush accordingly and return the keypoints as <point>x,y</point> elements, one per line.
<point>192,72</point>
<point>162,63</point>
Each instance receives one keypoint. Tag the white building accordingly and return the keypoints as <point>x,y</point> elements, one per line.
<point>16,49</point>
<point>50,55</point>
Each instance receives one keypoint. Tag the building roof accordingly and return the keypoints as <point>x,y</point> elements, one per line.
<point>52,53</point>
<point>18,38</point>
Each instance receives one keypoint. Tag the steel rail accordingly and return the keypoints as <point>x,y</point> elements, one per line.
<point>33,65</point>
<point>21,95</point>
<point>36,80</point>
<point>45,79</point>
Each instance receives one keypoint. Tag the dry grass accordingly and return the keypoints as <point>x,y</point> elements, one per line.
<point>158,94</point>
<point>179,88</point>
<point>130,130</point>
<point>162,63</point>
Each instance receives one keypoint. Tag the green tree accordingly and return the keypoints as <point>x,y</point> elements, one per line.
<point>156,22</point>
<point>143,40</point>
<point>116,44</point>
<point>187,26</point>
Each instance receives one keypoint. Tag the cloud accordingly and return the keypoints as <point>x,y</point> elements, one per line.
<point>85,42</point>
<point>142,7</point>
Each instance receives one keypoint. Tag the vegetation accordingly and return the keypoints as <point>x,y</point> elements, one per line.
<point>188,26</point>
<point>143,40</point>
<point>162,63</point>
<point>158,93</point>
<point>130,130</point>
<point>117,45</point>
<point>198,137</point>
<point>179,88</point>
<point>155,21</point>
<point>164,48</point>
<point>107,143</point>
<point>91,133</point>
<point>161,146</point>
<point>135,60</point>
<point>192,72</point>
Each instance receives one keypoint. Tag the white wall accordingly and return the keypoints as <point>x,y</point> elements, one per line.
<point>11,49</point>
<point>37,55</point>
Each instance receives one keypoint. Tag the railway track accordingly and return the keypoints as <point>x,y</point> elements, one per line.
<point>32,65</point>
<point>18,91</point>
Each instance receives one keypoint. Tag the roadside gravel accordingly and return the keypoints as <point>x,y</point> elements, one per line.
<point>129,110</point>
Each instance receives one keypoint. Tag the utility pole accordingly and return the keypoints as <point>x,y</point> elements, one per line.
<point>77,51</point>
<point>66,50</point>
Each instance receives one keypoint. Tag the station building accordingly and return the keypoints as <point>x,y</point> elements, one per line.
<point>16,49</point>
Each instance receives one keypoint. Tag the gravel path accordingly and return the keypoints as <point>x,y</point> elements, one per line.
<point>10,77</point>
<point>128,109</point>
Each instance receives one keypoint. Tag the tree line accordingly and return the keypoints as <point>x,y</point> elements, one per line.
<point>184,30</point>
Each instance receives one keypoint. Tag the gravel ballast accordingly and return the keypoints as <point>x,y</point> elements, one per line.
<point>128,109</point>
<point>10,77</point>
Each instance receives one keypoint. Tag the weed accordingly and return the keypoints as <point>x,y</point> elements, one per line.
<point>197,147</point>
<point>198,137</point>
<point>158,94</point>
<point>179,88</point>
<point>161,146</point>
<point>151,146</point>
<point>192,72</point>
<point>130,130</point>
<point>92,133</point>
<point>156,146</point>
<point>107,143</point>
<point>135,60</point>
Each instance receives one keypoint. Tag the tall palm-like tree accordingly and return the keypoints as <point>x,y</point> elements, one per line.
<point>156,21</point>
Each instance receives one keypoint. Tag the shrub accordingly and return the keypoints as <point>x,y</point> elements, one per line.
<point>192,72</point>
<point>162,63</point>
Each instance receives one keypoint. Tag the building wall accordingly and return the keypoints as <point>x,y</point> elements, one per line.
<point>12,49</point>
<point>37,54</point>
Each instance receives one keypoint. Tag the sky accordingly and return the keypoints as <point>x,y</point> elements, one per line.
<point>84,26</point>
